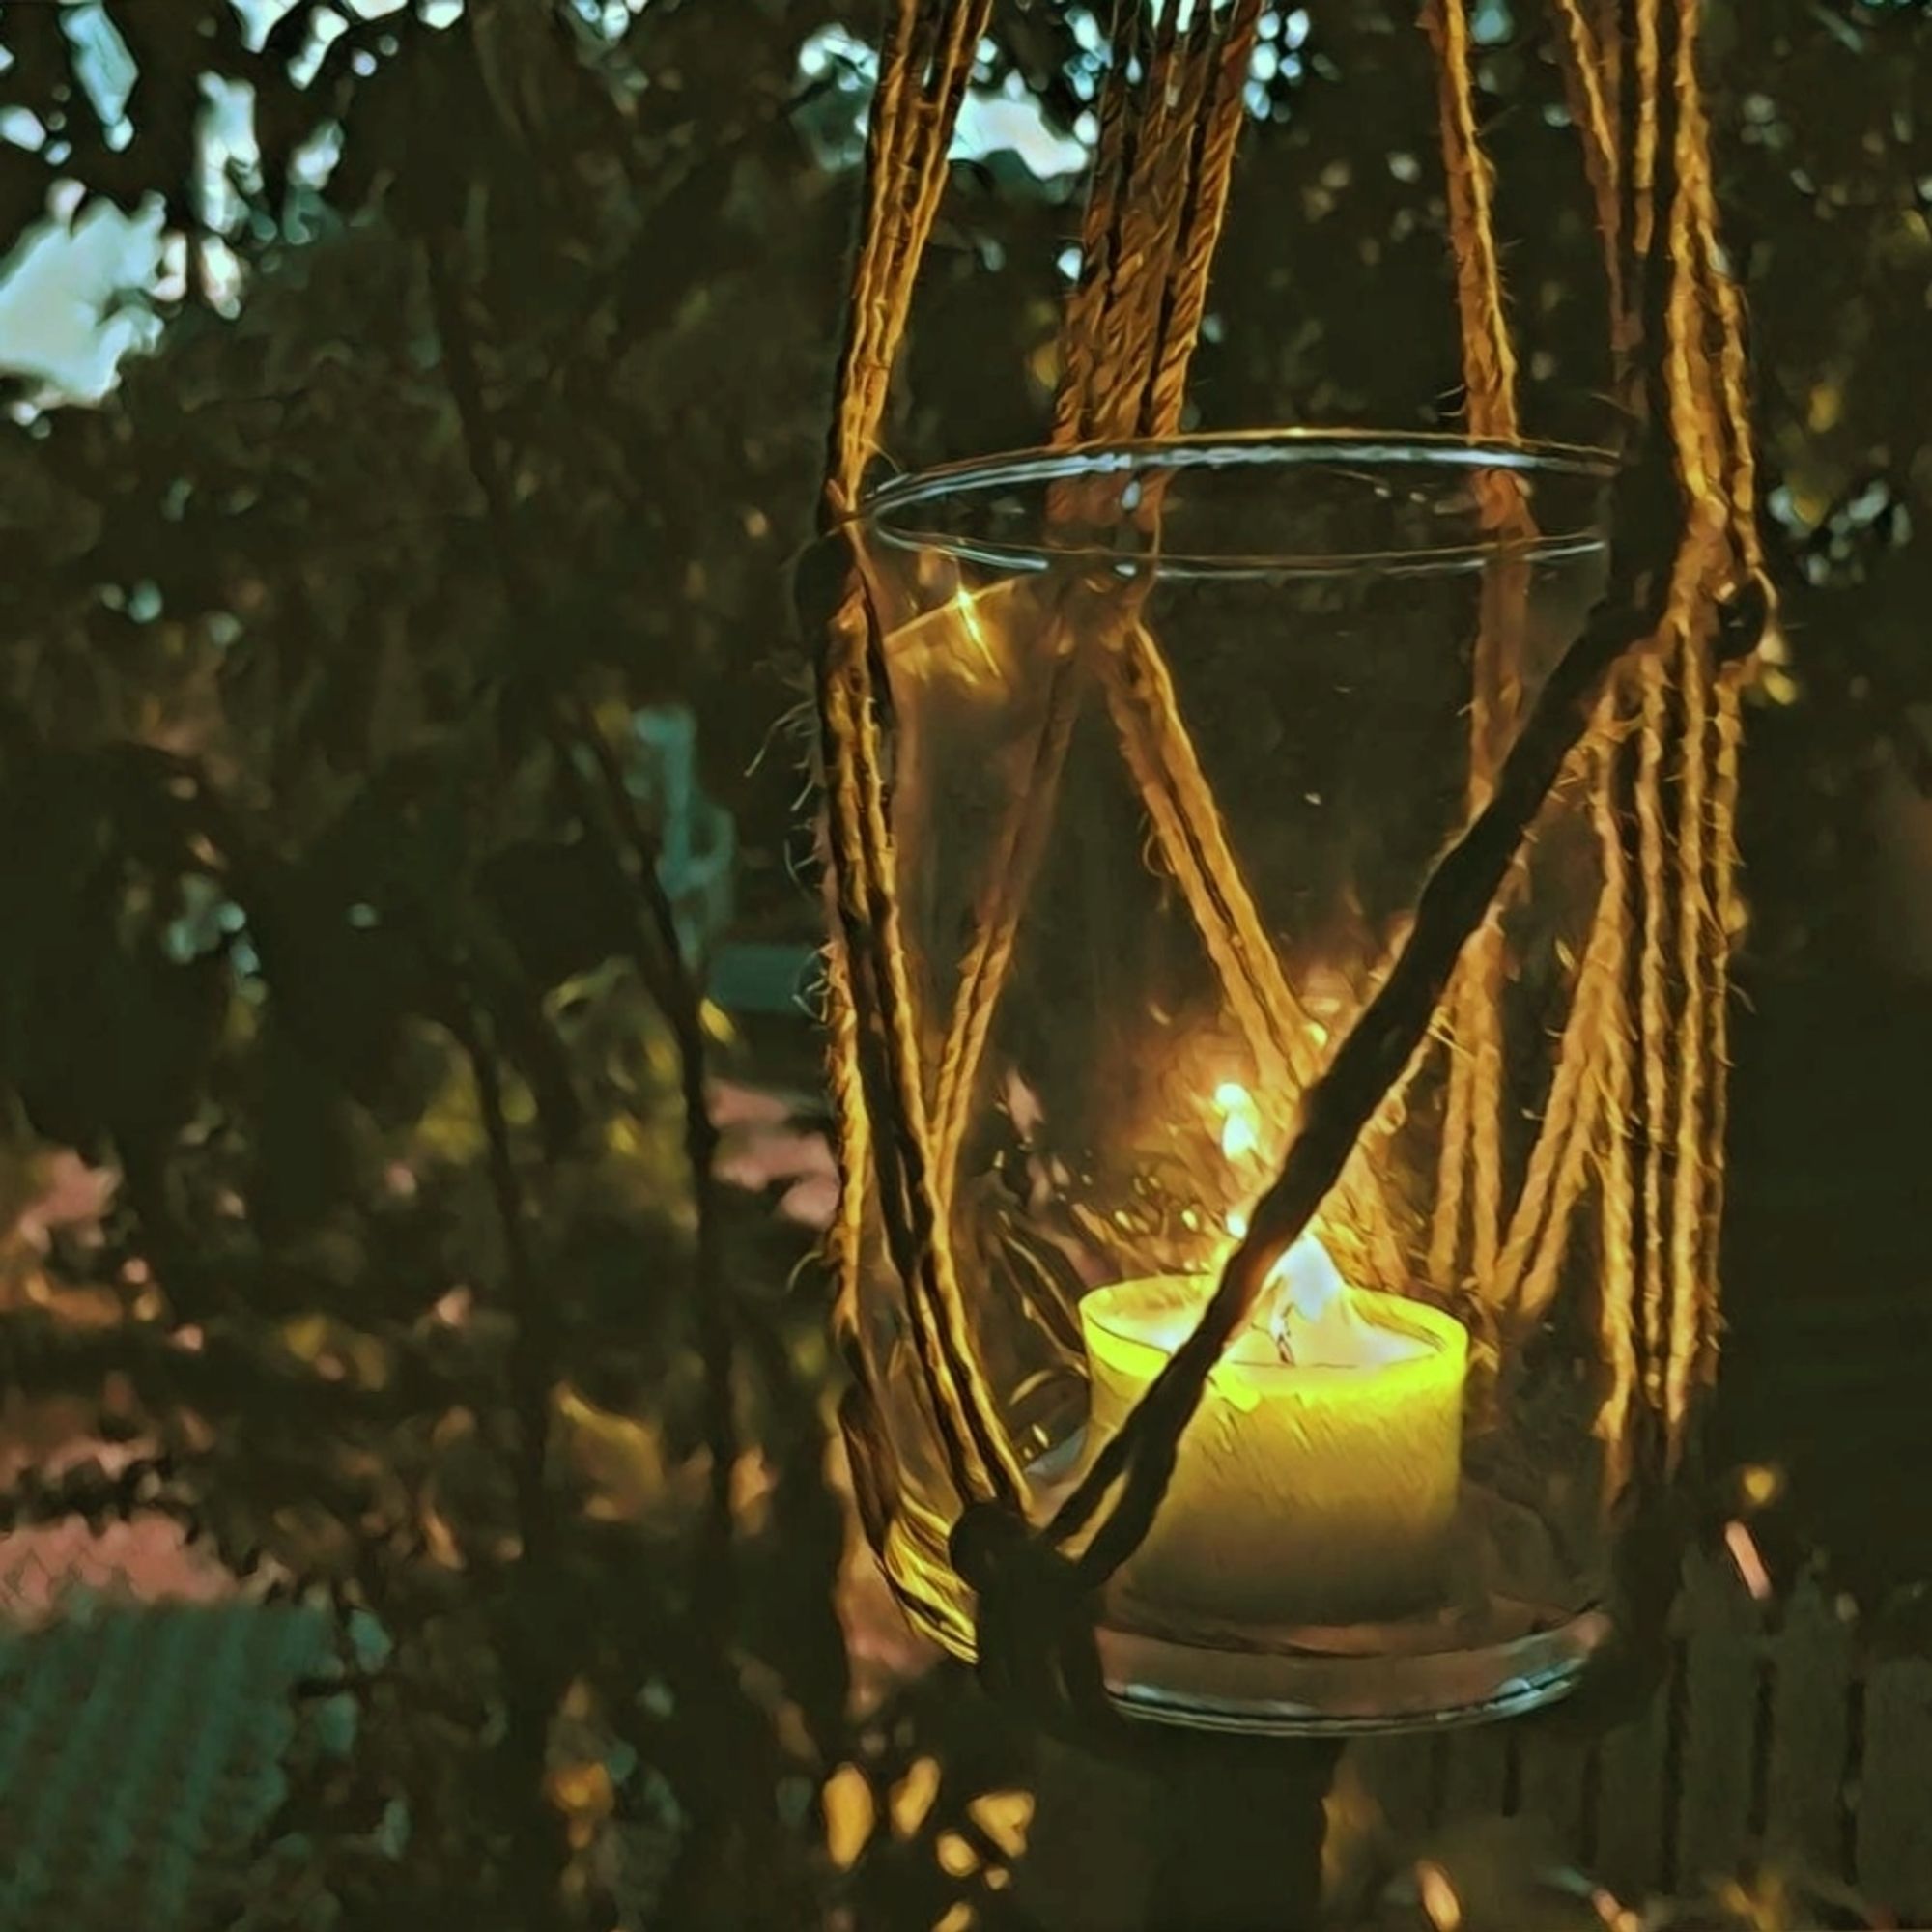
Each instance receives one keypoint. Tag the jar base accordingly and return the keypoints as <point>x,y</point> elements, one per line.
<point>1495,1654</point>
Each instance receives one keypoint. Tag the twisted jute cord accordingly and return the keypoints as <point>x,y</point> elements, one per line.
<point>1194,846</point>
<point>1128,144</point>
<point>1114,151</point>
<point>1219,128</point>
<point>1677,1157</point>
<point>1685,949</point>
<point>1643,93</point>
<point>1191,842</point>
<point>1609,20</point>
<point>1587,88</point>
<point>1691,1294</point>
<point>1119,252</point>
<point>1616,1230</point>
<point>1653,1006</point>
<point>1709,395</point>
<point>1580,1105</point>
<point>1707,786</point>
<point>1738,464</point>
<point>1557,1171</point>
<point>855,425</point>
<point>1689,800</point>
<point>889,200</point>
<point>1558,1168</point>
<point>1114,307</point>
<point>1727,731</point>
<point>929,1252</point>
<point>1627,101</point>
<point>925,66</point>
<point>1155,740</point>
<point>1137,313</point>
<point>1471,1173</point>
<point>1592,1082</point>
<point>1153,213</point>
<point>877,1096</point>
<point>1647,543</point>
<point>1189,833</point>
<point>849,987</point>
<point>1489,356</point>
<point>977,1456</point>
<point>1697,433</point>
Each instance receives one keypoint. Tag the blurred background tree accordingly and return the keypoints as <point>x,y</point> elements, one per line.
<point>389,379</point>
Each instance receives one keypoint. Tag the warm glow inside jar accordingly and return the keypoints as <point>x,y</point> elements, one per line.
<point>1176,734</point>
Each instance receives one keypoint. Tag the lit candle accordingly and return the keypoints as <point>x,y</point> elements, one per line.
<point>1317,1482</point>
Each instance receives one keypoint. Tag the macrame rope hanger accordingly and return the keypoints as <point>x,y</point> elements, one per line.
<point>1643,711</point>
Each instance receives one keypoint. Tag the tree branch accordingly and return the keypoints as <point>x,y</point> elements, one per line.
<point>611,818</point>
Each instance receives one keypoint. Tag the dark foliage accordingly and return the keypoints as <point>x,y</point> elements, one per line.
<point>324,641</point>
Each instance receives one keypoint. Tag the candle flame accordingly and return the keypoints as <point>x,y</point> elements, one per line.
<point>1315,1318</point>
<point>1304,1292</point>
<point>1306,1307</point>
<point>1304,1277</point>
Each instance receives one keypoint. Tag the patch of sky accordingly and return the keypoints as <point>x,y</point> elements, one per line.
<point>103,67</point>
<point>1492,24</point>
<point>78,291</point>
<point>261,18</point>
<point>325,27</point>
<point>23,129</point>
<point>1002,119</point>
<point>208,919</point>
<point>72,295</point>
<point>228,165</point>
<point>611,19</point>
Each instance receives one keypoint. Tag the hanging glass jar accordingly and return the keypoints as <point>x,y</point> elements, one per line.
<point>1173,736</point>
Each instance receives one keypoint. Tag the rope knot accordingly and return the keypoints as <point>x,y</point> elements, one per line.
<point>1744,615</point>
<point>1035,1628</point>
<point>988,1541</point>
<point>821,583</point>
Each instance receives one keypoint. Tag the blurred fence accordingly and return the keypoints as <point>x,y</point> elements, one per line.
<point>1774,1736</point>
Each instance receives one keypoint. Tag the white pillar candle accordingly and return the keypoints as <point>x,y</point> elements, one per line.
<point>1316,1482</point>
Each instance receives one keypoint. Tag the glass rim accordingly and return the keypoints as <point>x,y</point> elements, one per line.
<point>1445,1339</point>
<point>884,510</point>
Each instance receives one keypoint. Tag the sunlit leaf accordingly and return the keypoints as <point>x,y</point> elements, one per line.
<point>584,1795</point>
<point>1004,1817</point>
<point>912,1797</point>
<point>617,1457</point>
<point>849,1815</point>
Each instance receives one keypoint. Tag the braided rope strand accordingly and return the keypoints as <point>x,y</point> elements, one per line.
<point>1469,1184</point>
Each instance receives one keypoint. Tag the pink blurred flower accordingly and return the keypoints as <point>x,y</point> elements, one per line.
<point>74,1195</point>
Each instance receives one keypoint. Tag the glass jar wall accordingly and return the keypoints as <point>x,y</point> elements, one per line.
<point>1174,735</point>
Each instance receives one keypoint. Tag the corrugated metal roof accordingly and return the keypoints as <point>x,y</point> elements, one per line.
<point>140,1751</point>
